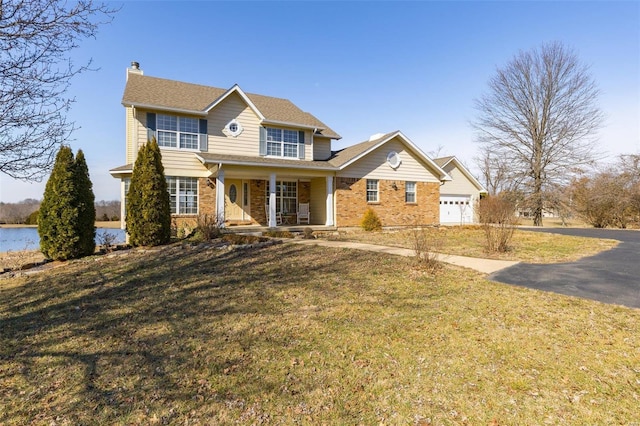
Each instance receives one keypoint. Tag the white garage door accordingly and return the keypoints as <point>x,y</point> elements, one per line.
<point>456,209</point>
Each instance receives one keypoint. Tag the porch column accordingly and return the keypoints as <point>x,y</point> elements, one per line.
<point>272,200</point>
<point>220,198</point>
<point>329,203</point>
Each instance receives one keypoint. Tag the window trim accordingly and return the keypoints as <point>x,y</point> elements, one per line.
<point>280,198</point>
<point>371,191</point>
<point>176,201</point>
<point>414,192</point>
<point>178,132</point>
<point>269,140</point>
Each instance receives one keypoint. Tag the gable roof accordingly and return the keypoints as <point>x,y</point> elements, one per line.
<point>353,153</point>
<point>445,161</point>
<point>158,93</point>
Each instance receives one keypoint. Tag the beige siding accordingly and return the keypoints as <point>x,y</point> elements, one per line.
<point>133,126</point>
<point>136,132</point>
<point>308,147</point>
<point>374,166</point>
<point>460,185</point>
<point>182,163</point>
<point>317,205</point>
<point>321,148</point>
<point>248,142</point>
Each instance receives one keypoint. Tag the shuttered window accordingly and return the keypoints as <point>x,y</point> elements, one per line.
<point>180,132</point>
<point>282,143</point>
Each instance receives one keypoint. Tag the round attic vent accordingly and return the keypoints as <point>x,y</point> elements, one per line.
<point>393,160</point>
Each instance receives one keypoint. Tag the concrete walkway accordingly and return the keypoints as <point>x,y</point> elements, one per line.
<point>486,266</point>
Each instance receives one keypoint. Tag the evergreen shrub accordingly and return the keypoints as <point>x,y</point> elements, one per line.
<point>148,215</point>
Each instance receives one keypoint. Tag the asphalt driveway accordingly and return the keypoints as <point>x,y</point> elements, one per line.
<point>612,276</point>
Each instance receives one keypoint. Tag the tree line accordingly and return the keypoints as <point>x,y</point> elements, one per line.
<point>25,212</point>
<point>608,196</point>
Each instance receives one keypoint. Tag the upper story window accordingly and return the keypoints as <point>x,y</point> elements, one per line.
<point>233,128</point>
<point>282,143</point>
<point>177,132</point>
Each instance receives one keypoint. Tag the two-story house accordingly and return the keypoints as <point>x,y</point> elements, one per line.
<point>254,159</point>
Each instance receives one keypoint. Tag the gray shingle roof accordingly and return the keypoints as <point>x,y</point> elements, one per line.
<point>162,93</point>
<point>349,153</point>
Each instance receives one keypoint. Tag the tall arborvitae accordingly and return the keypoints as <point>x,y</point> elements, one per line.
<point>148,219</point>
<point>86,229</point>
<point>58,215</point>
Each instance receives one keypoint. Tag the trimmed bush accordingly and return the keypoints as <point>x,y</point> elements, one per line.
<point>148,216</point>
<point>85,200</point>
<point>371,221</point>
<point>67,213</point>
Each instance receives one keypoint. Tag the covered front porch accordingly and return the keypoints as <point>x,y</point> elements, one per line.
<point>241,195</point>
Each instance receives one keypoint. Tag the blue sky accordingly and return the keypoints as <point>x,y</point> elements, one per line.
<point>362,67</point>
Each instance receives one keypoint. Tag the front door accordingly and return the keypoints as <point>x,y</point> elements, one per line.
<point>233,199</point>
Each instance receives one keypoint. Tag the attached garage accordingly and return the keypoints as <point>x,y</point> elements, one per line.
<point>456,209</point>
<point>459,195</point>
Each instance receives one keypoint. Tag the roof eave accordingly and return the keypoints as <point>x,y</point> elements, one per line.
<point>165,108</point>
<point>290,124</point>
<point>254,164</point>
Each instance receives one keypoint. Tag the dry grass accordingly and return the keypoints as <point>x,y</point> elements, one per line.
<point>304,335</point>
<point>526,246</point>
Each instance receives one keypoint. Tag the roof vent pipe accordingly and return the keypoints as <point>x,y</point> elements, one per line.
<point>135,65</point>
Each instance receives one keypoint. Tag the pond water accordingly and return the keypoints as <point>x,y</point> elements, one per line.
<point>27,238</point>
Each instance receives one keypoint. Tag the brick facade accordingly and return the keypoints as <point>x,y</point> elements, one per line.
<point>350,199</point>
<point>391,208</point>
<point>257,201</point>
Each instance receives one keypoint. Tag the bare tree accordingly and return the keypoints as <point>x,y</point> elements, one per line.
<point>496,174</point>
<point>540,117</point>
<point>36,37</point>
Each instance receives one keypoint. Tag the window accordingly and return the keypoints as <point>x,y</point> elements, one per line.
<point>183,193</point>
<point>372,190</point>
<point>282,143</point>
<point>127,184</point>
<point>177,132</point>
<point>233,128</point>
<point>286,197</point>
<point>410,192</point>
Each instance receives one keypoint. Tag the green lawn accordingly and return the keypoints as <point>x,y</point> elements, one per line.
<point>304,335</point>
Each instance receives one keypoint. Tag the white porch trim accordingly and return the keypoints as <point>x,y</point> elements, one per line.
<point>329,202</point>
<point>272,200</point>
<point>220,197</point>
